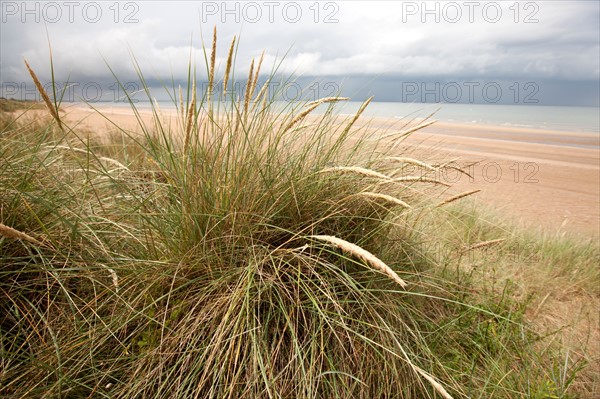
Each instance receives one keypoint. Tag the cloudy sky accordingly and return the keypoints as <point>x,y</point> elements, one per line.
<point>544,52</point>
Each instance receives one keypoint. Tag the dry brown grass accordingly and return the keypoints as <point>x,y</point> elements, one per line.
<point>457,197</point>
<point>484,244</point>
<point>358,171</point>
<point>411,161</point>
<point>385,197</point>
<point>405,133</point>
<point>357,115</point>
<point>11,233</point>
<point>363,255</point>
<point>257,72</point>
<point>51,108</point>
<point>228,65</point>
<point>211,71</point>
<point>190,118</point>
<point>310,108</point>
<point>249,88</point>
<point>436,385</point>
<point>420,179</point>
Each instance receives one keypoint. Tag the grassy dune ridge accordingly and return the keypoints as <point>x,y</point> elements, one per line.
<point>238,251</point>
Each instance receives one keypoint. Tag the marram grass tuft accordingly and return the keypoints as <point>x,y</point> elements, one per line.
<point>237,253</point>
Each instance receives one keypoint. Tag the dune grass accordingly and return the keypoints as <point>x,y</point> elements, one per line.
<point>238,249</point>
<point>10,105</point>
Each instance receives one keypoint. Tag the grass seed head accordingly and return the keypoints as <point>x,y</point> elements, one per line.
<point>53,111</point>
<point>362,254</point>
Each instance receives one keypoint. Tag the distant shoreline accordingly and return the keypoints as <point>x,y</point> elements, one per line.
<point>581,120</point>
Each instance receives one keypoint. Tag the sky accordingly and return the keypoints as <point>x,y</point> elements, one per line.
<point>505,52</point>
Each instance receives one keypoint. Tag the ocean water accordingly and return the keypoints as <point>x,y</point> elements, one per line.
<point>568,119</point>
<point>572,119</point>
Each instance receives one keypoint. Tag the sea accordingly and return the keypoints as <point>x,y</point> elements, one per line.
<point>561,118</point>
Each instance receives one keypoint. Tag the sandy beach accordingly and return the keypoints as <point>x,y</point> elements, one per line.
<point>541,179</point>
<point>536,177</point>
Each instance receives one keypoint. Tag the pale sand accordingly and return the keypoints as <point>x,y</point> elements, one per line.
<point>539,178</point>
<point>549,185</point>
